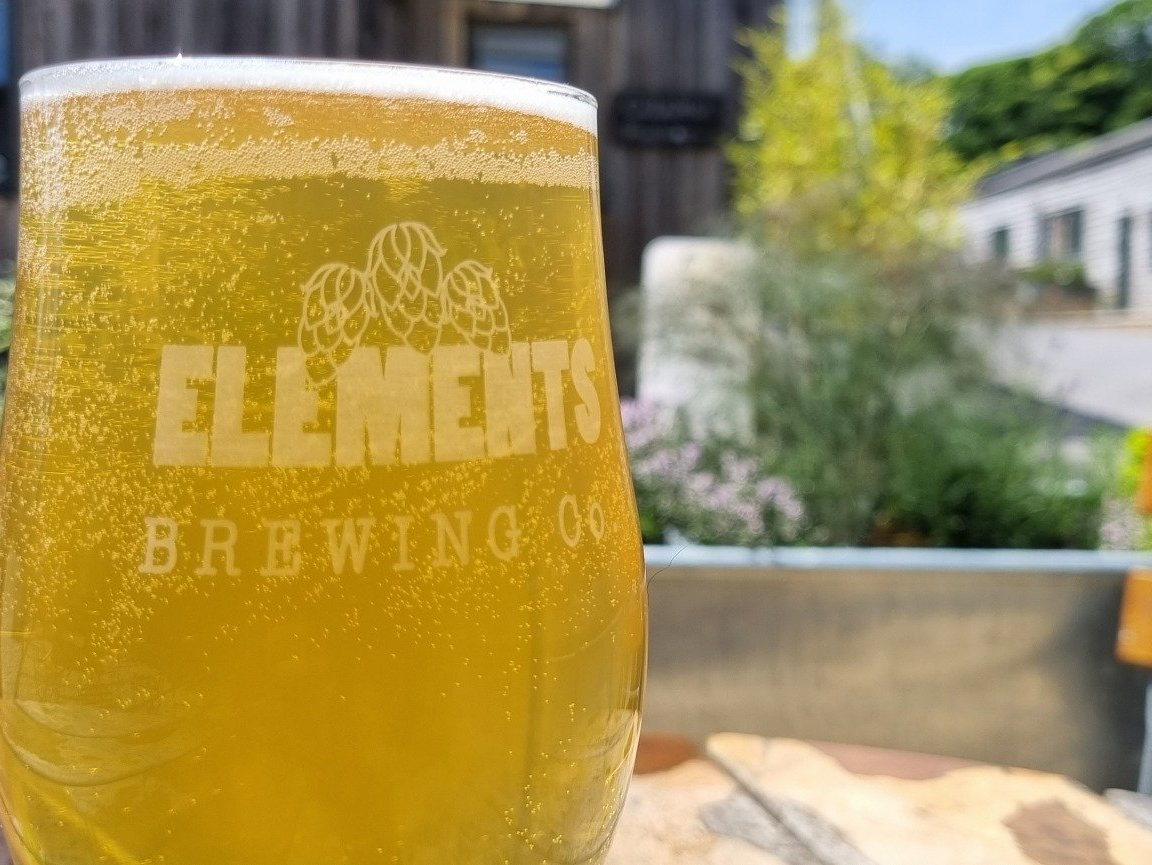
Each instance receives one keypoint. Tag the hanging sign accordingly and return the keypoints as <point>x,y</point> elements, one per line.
<point>668,119</point>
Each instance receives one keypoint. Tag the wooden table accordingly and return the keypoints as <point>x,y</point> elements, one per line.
<point>754,801</point>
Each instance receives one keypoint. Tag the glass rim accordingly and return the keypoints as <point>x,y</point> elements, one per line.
<point>360,77</point>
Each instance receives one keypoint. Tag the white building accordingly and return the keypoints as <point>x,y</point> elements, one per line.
<point>1090,204</point>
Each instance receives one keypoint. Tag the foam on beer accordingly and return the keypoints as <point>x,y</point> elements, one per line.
<point>544,99</point>
<point>98,103</point>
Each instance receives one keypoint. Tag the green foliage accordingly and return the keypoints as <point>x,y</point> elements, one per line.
<point>873,396</point>
<point>1136,446</point>
<point>1070,276</point>
<point>981,476</point>
<point>868,341</point>
<point>848,353</point>
<point>837,150</point>
<point>1124,527</point>
<point>1099,81</point>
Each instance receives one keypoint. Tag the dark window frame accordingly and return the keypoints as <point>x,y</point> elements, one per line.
<point>1000,244</point>
<point>1149,236</point>
<point>561,28</point>
<point>1064,235</point>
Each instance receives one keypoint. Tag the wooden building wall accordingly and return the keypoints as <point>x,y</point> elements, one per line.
<point>655,46</point>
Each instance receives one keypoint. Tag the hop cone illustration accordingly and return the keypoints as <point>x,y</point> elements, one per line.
<point>338,305</point>
<point>475,307</point>
<point>408,260</point>
<point>406,286</point>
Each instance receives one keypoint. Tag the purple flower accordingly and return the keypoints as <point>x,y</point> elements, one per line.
<point>725,498</point>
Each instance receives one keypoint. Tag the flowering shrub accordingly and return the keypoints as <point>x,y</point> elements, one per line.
<point>709,493</point>
<point>1124,527</point>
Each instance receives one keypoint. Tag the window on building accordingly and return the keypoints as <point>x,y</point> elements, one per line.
<point>1062,236</point>
<point>534,52</point>
<point>1149,236</point>
<point>1001,243</point>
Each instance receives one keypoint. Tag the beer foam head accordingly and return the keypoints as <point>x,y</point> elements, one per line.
<point>242,117</point>
<point>386,80</point>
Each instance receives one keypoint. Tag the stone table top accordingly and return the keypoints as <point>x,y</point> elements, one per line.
<point>753,801</point>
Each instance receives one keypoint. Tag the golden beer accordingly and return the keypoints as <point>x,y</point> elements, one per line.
<point>318,540</point>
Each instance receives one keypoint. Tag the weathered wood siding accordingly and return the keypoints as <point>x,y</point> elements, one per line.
<point>650,45</point>
<point>55,31</point>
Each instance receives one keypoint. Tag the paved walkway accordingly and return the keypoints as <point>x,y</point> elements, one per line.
<point>1102,372</point>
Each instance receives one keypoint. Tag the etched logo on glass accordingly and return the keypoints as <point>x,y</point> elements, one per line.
<point>418,356</point>
<point>404,285</point>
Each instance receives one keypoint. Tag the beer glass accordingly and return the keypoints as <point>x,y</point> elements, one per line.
<point>318,539</point>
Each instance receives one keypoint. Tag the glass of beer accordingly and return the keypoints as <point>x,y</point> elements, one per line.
<point>318,539</point>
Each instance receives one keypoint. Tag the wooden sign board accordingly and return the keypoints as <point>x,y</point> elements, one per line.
<point>668,119</point>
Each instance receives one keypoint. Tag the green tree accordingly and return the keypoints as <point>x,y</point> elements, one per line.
<point>1098,81</point>
<point>837,150</point>
<point>868,370</point>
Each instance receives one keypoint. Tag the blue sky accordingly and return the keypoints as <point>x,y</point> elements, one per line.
<point>954,34</point>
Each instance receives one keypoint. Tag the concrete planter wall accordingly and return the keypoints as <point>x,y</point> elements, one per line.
<point>1001,657</point>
